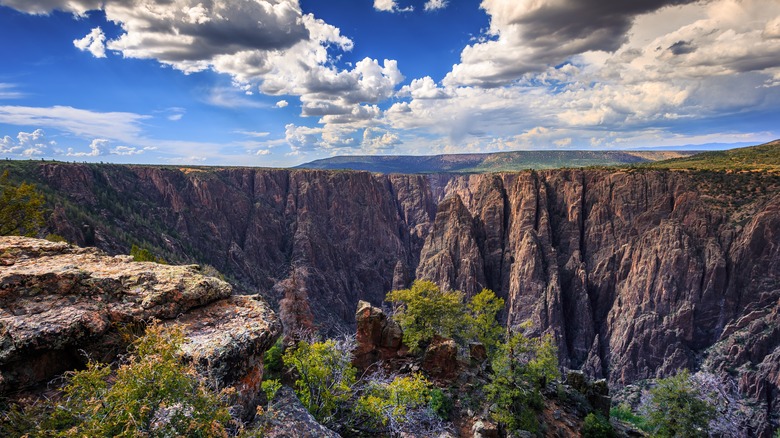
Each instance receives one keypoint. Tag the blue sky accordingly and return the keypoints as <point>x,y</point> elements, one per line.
<point>281,82</point>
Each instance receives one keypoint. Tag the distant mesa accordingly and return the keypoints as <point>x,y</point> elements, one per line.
<point>491,162</point>
<point>761,157</point>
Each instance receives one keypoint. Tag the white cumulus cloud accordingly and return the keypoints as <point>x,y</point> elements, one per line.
<point>27,144</point>
<point>94,43</point>
<point>98,147</point>
<point>432,5</point>
<point>376,140</point>
<point>391,6</point>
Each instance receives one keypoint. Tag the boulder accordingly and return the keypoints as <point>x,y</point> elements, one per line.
<point>378,337</point>
<point>595,392</point>
<point>440,360</point>
<point>477,352</point>
<point>484,429</point>
<point>290,419</point>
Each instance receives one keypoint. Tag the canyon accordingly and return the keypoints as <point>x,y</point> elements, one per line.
<point>637,273</point>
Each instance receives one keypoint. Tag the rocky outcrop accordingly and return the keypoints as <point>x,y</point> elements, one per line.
<point>440,360</point>
<point>61,304</point>
<point>226,341</point>
<point>290,419</point>
<point>378,338</point>
<point>595,392</point>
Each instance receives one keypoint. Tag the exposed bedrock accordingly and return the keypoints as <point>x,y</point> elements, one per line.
<point>60,305</point>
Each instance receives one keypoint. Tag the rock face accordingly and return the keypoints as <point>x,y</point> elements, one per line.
<point>58,302</point>
<point>636,274</point>
<point>595,392</point>
<point>378,337</point>
<point>440,359</point>
<point>226,341</point>
<point>292,420</point>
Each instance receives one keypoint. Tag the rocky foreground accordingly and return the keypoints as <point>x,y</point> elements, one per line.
<point>61,305</point>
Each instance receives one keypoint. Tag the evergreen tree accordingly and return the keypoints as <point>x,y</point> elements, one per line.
<point>678,409</point>
<point>21,208</point>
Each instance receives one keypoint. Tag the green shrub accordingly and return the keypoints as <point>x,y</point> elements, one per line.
<point>441,403</point>
<point>21,208</point>
<point>678,409</point>
<point>521,368</point>
<point>482,320</point>
<point>153,393</point>
<point>385,403</point>
<point>596,426</point>
<point>55,238</point>
<point>144,255</point>
<point>325,377</point>
<point>273,363</point>
<point>424,310</point>
<point>624,413</point>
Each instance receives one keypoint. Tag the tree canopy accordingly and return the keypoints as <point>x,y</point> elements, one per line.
<point>21,208</point>
<point>677,408</point>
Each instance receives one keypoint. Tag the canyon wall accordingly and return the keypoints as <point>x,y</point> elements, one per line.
<point>637,273</point>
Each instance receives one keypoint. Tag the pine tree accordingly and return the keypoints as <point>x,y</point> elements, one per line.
<point>21,208</point>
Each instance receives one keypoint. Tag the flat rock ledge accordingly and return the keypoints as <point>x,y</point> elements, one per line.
<point>60,304</point>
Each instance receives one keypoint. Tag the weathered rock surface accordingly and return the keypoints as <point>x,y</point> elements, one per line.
<point>440,360</point>
<point>226,341</point>
<point>290,419</point>
<point>58,302</point>
<point>378,337</point>
<point>595,392</point>
<point>635,273</point>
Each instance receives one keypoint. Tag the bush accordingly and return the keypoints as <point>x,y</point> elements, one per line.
<point>153,393</point>
<point>596,426</point>
<point>273,363</point>
<point>677,408</point>
<point>482,320</point>
<point>21,208</point>
<point>387,404</point>
<point>144,255</point>
<point>325,377</point>
<point>56,238</point>
<point>624,413</point>
<point>424,311</point>
<point>521,368</point>
<point>441,403</point>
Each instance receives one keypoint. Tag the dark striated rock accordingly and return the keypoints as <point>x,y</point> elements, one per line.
<point>451,256</point>
<point>59,302</point>
<point>290,419</point>
<point>378,337</point>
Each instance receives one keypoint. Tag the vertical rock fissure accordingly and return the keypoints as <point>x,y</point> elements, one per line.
<point>251,213</point>
<point>536,200</point>
<point>505,264</point>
